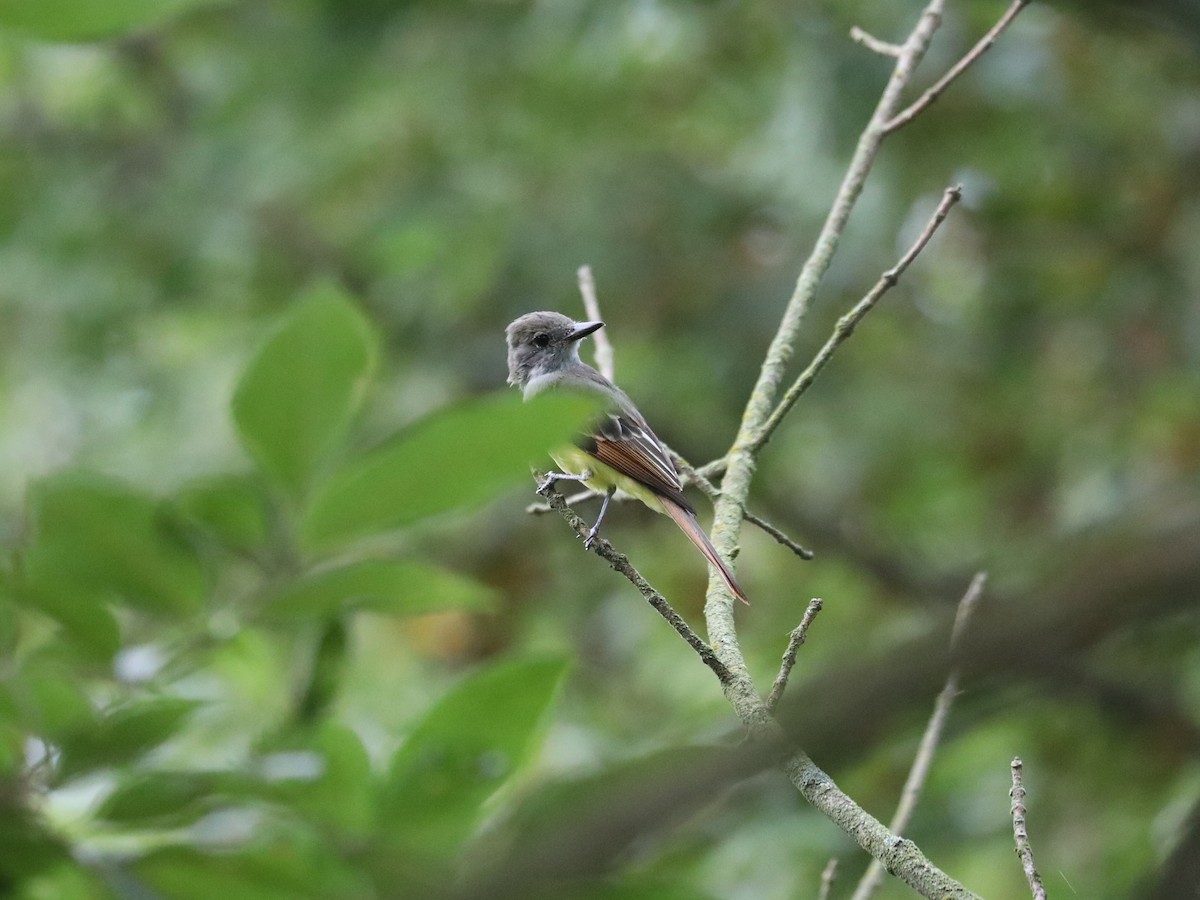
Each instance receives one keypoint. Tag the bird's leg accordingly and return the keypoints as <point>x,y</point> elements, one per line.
<point>552,478</point>
<point>591,535</point>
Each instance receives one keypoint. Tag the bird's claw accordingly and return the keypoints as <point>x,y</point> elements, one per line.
<point>546,485</point>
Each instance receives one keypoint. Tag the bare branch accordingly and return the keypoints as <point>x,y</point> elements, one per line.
<point>828,877</point>
<point>847,323</point>
<point>900,856</point>
<point>691,475</point>
<point>1021,833</point>
<point>714,469</point>
<point>706,486</point>
<point>604,348</point>
<point>740,461</point>
<point>767,528</point>
<point>540,509</point>
<point>985,43</point>
<point>798,636</point>
<point>620,563</point>
<point>883,48</point>
<point>923,760</point>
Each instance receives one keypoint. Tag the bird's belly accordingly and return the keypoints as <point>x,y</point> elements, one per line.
<point>603,477</point>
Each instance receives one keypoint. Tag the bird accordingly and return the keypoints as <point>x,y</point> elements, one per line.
<point>619,450</point>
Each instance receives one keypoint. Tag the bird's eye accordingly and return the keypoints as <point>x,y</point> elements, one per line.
<point>541,339</point>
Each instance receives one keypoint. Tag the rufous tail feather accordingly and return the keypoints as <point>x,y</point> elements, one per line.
<point>689,525</point>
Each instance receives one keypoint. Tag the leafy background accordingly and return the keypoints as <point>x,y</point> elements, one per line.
<point>274,621</point>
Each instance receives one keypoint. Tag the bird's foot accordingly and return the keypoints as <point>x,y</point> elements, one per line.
<point>589,539</point>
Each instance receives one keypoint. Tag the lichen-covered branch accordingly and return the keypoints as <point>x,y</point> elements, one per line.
<point>620,562</point>
<point>915,783</point>
<point>795,640</point>
<point>982,46</point>
<point>847,323</point>
<point>1021,832</point>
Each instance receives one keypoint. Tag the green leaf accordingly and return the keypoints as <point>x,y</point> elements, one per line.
<point>46,698</point>
<point>465,748</point>
<point>88,625</point>
<point>27,847</point>
<point>85,20</point>
<point>625,802</point>
<point>457,457</point>
<point>95,538</point>
<point>342,795</point>
<point>166,799</point>
<point>300,392</point>
<point>626,795</point>
<point>395,588</point>
<point>231,508</point>
<point>302,867</point>
<point>123,734</point>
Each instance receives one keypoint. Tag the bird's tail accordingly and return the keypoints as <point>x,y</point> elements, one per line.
<point>689,525</point>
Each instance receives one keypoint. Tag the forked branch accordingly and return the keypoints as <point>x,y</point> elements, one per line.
<point>620,562</point>
<point>847,323</point>
<point>985,43</point>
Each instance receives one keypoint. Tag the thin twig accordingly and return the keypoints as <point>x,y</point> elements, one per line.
<point>540,509</point>
<point>847,323</point>
<point>828,877</point>
<point>767,528</point>
<point>604,348</point>
<point>1021,833</point>
<point>620,563</point>
<point>901,857</point>
<point>798,636</point>
<point>883,48</point>
<point>714,469</point>
<point>985,43</point>
<point>923,760</point>
<point>712,493</point>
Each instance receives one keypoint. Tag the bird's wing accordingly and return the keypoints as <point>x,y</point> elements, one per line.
<point>625,442</point>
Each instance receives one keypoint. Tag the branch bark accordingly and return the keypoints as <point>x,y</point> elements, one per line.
<point>930,96</point>
<point>923,760</point>
<point>761,416</point>
<point>1021,832</point>
<point>620,562</point>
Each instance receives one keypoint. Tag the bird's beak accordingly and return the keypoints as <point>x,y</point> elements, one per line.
<point>583,329</point>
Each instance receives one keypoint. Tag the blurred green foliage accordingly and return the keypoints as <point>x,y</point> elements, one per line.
<point>263,632</point>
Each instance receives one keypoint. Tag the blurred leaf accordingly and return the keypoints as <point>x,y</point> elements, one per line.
<point>13,738</point>
<point>68,880</point>
<point>26,847</point>
<point>326,673</point>
<point>342,794</point>
<point>636,886</point>
<point>8,621</point>
<point>85,20</point>
<point>230,507</point>
<point>465,748</point>
<point>286,871</point>
<point>298,395</point>
<point>166,799</point>
<point>123,734</point>
<point>394,588</point>
<point>88,624</point>
<point>47,698</point>
<point>94,537</point>
<point>453,458</point>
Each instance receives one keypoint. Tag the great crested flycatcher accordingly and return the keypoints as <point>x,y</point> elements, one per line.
<point>620,450</point>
